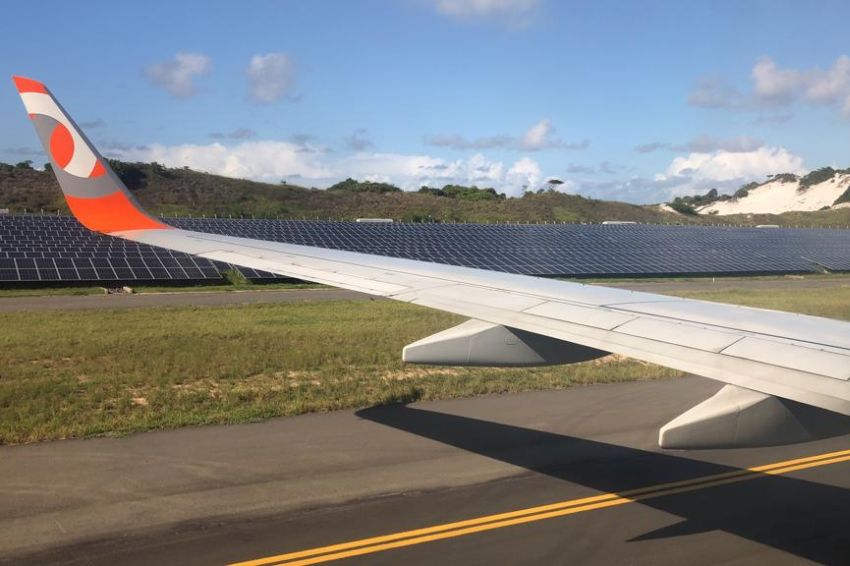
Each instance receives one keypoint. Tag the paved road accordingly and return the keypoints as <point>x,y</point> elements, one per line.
<point>9,304</point>
<point>215,495</point>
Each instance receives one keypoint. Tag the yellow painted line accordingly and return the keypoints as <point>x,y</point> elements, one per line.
<point>539,513</point>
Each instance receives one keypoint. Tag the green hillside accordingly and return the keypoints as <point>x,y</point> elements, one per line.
<point>167,191</point>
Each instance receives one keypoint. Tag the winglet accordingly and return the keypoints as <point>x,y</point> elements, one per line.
<point>24,84</point>
<point>95,194</point>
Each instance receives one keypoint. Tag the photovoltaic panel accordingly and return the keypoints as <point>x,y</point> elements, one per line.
<point>37,248</point>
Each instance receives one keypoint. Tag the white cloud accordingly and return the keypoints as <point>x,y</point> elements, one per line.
<point>271,77</point>
<point>539,136</point>
<point>698,172</point>
<point>826,87</point>
<point>272,161</point>
<point>515,12</point>
<point>524,174</point>
<point>177,75</point>
<point>720,166</point>
<point>260,160</point>
<point>775,86</point>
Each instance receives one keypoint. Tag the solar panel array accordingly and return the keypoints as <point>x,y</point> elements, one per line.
<point>51,248</point>
<point>57,248</point>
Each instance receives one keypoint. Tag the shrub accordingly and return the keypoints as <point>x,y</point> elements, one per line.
<point>816,177</point>
<point>353,186</point>
<point>235,277</point>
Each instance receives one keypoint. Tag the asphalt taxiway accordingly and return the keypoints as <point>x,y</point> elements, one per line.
<point>570,476</point>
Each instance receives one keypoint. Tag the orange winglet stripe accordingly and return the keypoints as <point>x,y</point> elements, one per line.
<point>98,170</point>
<point>111,213</point>
<point>24,84</point>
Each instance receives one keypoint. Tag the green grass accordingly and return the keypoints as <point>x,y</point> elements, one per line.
<point>725,279</point>
<point>84,373</point>
<point>142,289</point>
<point>114,372</point>
<point>50,291</point>
<point>830,303</point>
<point>282,286</point>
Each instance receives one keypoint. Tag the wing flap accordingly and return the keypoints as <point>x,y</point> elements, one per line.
<point>823,331</point>
<point>596,317</point>
<point>681,334</point>
<point>792,356</point>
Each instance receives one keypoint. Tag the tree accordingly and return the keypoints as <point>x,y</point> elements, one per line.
<point>553,184</point>
<point>24,164</point>
<point>353,186</point>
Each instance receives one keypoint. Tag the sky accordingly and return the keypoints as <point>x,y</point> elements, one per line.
<point>631,101</point>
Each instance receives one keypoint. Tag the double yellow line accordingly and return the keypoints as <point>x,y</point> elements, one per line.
<point>531,514</point>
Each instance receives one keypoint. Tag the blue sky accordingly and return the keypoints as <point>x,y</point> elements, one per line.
<point>636,101</point>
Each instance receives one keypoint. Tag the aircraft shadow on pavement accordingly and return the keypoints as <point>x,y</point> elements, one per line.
<point>800,517</point>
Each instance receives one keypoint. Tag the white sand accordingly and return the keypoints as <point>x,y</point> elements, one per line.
<point>775,198</point>
<point>666,208</point>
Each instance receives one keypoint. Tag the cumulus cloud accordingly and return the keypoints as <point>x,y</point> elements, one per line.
<point>542,136</point>
<point>274,160</point>
<point>177,75</point>
<point>538,137</point>
<point>720,166</point>
<point>525,174</point>
<point>775,86</point>
<point>696,173</point>
<point>271,77</point>
<point>359,141</point>
<point>237,134</point>
<point>513,12</point>
<point>260,160</point>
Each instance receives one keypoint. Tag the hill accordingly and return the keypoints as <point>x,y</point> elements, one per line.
<point>823,189</point>
<point>184,192</point>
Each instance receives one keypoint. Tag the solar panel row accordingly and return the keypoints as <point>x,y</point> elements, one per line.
<point>51,248</point>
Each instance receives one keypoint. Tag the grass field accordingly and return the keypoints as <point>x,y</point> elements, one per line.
<point>143,289</point>
<point>112,372</point>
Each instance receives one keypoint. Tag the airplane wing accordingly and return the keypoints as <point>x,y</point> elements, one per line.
<point>764,354</point>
